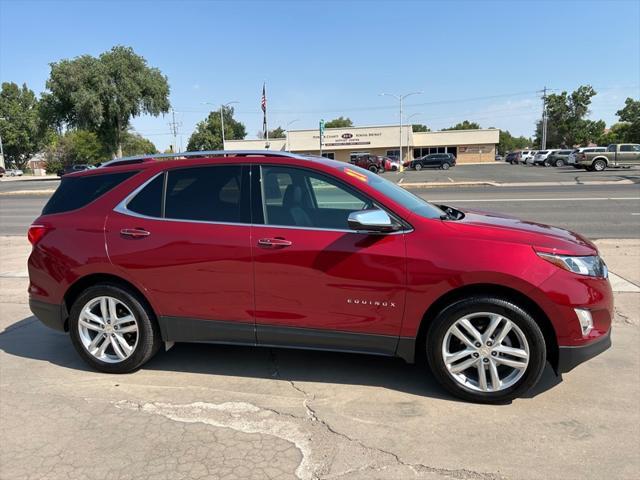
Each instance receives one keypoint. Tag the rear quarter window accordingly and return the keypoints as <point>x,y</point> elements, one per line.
<point>77,192</point>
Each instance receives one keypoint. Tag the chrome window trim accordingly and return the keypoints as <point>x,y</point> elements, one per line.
<point>121,208</point>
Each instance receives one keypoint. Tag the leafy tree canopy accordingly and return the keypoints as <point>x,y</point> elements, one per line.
<point>466,125</point>
<point>74,147</point>
<point>340,122</point>
<point>275,133</point>
<point>418,127</point>
<point>630,114</point>
<point>508,142</point>
<point>208,132</point>
<point>20,128</point>
<point>134,144</point>
<point>566,122</point>
<point>102,94</point>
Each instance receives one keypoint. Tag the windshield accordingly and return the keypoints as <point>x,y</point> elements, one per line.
<point>399,195</point>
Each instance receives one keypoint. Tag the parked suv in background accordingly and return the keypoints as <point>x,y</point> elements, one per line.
<point>526,156</point>
<point>558,158</point>
<point>513,158</point>
<point>541,156</point>
<point>373,163</point>
<point>275,249</point>
<point>434,160</point>
<point>74,168</point>
<point>571,160</point>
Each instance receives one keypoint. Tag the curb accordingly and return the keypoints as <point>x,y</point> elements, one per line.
<point>27,192</point>
<point>492,183</point>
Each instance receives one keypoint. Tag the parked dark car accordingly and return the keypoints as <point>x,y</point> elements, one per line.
<point>513,158</point>
<point>373,163</point>
<point>281,250</point>
<point>434,160</point>
<point>74,168</point>
<point>559,158</point>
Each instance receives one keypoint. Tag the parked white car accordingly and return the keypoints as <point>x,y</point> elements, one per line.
<point>14,172</point>
<point>526,156</point>
<point>542,155</point>
<point>571,160</point>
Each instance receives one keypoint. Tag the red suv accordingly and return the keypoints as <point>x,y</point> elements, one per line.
<point>281,250</point>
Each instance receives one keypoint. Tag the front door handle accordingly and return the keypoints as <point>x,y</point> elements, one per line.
<point>134,232</point>
<point>274,243</point>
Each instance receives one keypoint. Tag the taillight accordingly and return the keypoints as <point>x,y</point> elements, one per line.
<point>36,232</point>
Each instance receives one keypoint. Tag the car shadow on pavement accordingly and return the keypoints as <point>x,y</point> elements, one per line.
<point>28,338</point>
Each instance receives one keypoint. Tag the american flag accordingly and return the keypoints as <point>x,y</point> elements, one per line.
<point>263,103</point>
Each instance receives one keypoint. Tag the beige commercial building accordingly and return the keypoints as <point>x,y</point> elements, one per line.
<point>343,143</point>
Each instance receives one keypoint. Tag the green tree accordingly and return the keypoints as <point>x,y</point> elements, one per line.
<point>339,122</point>
<point>75,146</point>
<point>103,94</point>
<point>566,122</point>
<point>208,134</point>
<point>134,144</point>
<point>20,128</point>
<point>630,114</point>
<point>275,133</point>
<point>618,133</point>
<point>508,142</point>
<point>418,127</point>
<point>466,125</point>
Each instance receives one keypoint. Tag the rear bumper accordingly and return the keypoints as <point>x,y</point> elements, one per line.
<point>571,357</point>
<point>52,315</point>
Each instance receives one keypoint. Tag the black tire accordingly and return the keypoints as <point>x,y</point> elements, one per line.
<point>599,165</point>
<point>559,163</point>
<point>417,167</point>
<point>445,166</point>
<point>373,168</point>
<point>149,340</point>
<point>447,317</point>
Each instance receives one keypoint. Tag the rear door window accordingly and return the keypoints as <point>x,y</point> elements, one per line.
<point>77,192</point>
<point>149,201</point>
<point>212,193</point>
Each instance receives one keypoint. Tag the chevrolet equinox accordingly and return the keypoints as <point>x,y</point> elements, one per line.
<point>281,250</point>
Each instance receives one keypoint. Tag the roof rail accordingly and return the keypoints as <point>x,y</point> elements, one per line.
<point>207,153</point>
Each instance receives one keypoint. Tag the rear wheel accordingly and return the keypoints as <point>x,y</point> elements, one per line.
<point>417,166</point>
<point>445,166</point>
<point>559,163</point>
<point>112,329</point>
<point>546,163</point>
<point>373,168</point>
<point>486,349</point>
<point>599,165</point>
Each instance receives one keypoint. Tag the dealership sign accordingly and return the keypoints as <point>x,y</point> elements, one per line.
<point>348,138</point>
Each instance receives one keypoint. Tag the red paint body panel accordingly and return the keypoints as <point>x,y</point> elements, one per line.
<point>218,272</point>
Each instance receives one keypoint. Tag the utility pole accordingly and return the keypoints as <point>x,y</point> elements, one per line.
<point>321,134</point>
<point>544,119</point>
<point>174,126</point>
<point>400,98</point>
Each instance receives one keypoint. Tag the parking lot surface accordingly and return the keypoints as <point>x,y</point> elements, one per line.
<point>207,411</point>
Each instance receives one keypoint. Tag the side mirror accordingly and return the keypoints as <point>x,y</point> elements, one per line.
<point>374,221</point>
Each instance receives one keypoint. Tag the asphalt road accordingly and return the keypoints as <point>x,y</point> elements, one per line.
<point>596,211</point>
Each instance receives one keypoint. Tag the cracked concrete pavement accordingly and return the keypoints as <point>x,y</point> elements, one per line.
<point>223,412</point>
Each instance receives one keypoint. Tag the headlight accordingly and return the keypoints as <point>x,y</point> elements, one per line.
<point>592,266</point>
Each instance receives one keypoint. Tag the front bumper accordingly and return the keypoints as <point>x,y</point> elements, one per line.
<point>571,357</point>
<point>52,315</point>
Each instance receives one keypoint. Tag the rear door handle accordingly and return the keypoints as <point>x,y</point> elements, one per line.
<point>134,232</point>
<point>274,243</point>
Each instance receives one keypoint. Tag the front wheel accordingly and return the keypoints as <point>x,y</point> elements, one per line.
<point>113,329</point>
<point>559,163</point>
<point>446,166</point>
<point>486,349</point>
<point>373,168</point>
<point>417,167</point>
<point>599,165</point>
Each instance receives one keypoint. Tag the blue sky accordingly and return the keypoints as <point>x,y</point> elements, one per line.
<point>480,61</point>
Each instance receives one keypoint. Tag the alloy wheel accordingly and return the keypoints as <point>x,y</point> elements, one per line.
<point>485,352</point>
<point>108,329</point>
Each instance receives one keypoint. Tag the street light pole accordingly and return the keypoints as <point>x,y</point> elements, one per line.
<point>400,99</point>
<point>287,127</point>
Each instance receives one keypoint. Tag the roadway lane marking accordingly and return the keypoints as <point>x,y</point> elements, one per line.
<point>575,199</point>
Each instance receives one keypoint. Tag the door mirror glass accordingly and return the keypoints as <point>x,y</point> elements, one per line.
<point>377,221</point>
